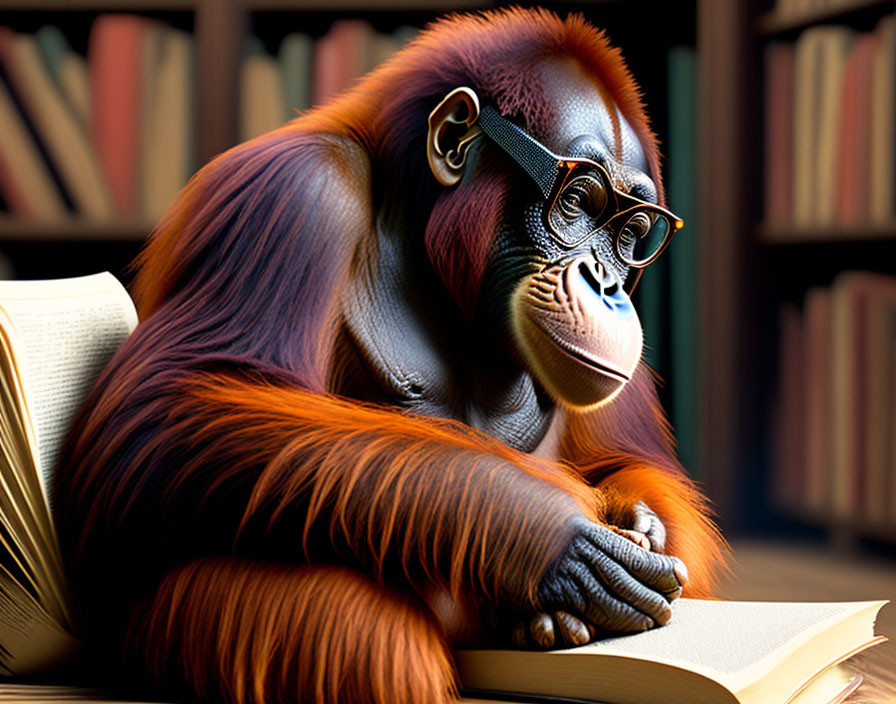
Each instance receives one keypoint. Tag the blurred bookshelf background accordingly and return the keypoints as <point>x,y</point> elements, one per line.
<point>771,320</point>
<point>825,245</point>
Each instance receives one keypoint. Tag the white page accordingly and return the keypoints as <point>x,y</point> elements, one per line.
<point>724,636</point>
<point>67,330</point>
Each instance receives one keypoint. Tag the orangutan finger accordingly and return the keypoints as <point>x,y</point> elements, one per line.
<point>571,629</point>
<point>541,628</point>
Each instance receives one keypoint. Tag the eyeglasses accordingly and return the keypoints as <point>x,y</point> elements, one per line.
<point>581,199</point>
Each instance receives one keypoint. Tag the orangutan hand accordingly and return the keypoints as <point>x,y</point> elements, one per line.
<point>604,581</point>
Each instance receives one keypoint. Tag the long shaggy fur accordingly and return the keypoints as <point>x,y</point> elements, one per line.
<point>214,470</point>
<point>281,633</point>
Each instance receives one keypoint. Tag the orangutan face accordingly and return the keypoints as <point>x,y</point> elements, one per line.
<point>569,312</point>
<point>582,216</point>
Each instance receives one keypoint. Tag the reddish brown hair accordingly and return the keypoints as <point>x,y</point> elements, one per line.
<point>212,457</point>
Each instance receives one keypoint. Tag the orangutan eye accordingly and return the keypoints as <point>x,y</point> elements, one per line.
<point>627,240</point>
<point>585,195</point>
<point>570,203</point>
<point>638,226</point>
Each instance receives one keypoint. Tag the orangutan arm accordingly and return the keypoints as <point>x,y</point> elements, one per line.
<point>431,499</point>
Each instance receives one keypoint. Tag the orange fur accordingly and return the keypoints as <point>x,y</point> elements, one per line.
<point>253,633</point>
<point>213,472</point>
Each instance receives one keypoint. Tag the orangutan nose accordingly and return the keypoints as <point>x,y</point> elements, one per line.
<point>599,278</point>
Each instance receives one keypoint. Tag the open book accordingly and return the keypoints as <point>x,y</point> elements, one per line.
<point>55,338</point>
<point>712,652</point>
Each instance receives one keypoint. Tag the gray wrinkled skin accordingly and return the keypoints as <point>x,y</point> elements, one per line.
<point>611,582</point>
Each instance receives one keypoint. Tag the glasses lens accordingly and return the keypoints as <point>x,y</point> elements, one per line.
<point>581,203</point>
<point>642,237</point>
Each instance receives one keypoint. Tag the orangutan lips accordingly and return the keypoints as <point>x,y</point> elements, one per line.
<point>583,357</point>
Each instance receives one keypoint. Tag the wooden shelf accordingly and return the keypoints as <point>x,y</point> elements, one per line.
<point>99,5</point>
<point>431,6</point>
<point>775,22</point>
<point>785,235</point>
<point>362,5</point>
<point>74,230</point>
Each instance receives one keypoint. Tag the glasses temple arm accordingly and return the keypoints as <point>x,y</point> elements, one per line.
<point>538,162</point>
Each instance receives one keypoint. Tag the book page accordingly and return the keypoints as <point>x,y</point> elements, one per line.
<point>723,636</point>
<point>30,640</point>
<point>66,331</point>
<point>26,528</point>
<point>28,693</point>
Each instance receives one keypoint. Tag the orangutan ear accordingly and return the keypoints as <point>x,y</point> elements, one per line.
<point>452,129</point>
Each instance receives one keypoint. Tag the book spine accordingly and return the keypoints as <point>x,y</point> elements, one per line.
<point>818,394</point>
<point>39,192</point>
<point>115,57</point>
<point>779,66</point>
<point>807,60</point>
<point>58,126</point>
<point>883,126</point>
<point>261,87</point>
<point>846,332</point>
<point>836,46</point>
<point>295,56</point>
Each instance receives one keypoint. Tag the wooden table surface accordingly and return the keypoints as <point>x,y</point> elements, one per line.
<point>767,571</point>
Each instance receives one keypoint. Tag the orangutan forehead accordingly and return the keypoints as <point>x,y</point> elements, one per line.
<point>584,113</point>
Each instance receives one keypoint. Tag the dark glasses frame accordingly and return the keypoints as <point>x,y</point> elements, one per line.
<point>552,173</point>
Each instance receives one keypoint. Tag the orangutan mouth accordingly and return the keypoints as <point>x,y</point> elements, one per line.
<point>585,358</point>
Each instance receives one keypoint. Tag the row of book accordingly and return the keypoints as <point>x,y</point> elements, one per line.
<point>830,114</point>
<point>835,417</point>
<point>104,137</point>
<point>302,71</point>
<point>111,136</point>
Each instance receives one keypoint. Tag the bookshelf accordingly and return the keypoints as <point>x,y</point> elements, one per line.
<point>750,268</point>
<point>100,5</point>
<point>45,248</point>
